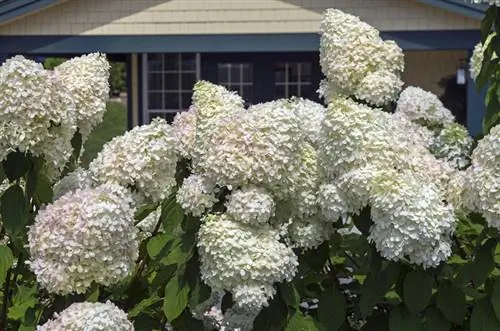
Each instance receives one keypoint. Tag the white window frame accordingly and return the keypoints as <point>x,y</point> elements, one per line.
<point>145,88</point>
<point>229,84</point>
<point>299,83</point>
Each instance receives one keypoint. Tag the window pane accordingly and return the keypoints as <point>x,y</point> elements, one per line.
<point>167,116</point>
<point>155,100</point>
<point>293,72</point>
<point>279,73</point>
<point>186,100</point>
<point>247,73</point>
<point>188,62</point>
<point>171,100</point>
<point>247,92</point>
<point>222,73</point>
<point>188,81</point>
<point>280,91</point>
<point>305,72</point>
<point>171,81</point>
<point>155,62</point>
<point>235,73</point>
<point>306,91</point>
<point>171,61</point>
<point>293,90</point>
<point>155,82</point>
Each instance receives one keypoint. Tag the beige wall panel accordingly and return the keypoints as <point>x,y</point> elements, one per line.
<point>114,17</point>
<point>426,69</point>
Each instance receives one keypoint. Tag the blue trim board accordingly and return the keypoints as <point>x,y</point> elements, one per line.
<point>461,7</point>
<point>11,9</point>
<point>291,42</point>
<point>476,107</point>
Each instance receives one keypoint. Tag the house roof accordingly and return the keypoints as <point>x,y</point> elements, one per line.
<point>12,9</point>
<point>462,7</point>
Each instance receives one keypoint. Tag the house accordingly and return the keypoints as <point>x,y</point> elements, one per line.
<point>264,49</point>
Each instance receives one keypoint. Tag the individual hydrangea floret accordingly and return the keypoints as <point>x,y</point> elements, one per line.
<point>196,195</point>
<point>184,128</point>
<point>410,219</point>
<point>483,180</point>
<point>251,205</point>
<point>83,237</point>
<point>144,159</point>
<point>423,107</point>
<point>87,78</point>
<point>233,254</point>
<point>453,144</point>
<point>357,62</point>
<point>78,179</point>
<point>86,316</point>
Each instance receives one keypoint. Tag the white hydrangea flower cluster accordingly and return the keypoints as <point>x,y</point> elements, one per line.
<point>357,62</point>
<point>476,60</point>
<point>37,113</point>
<point>184,127</point>
<point>86,316</point>
<point>243,259</point>
<point>196,194</point>
<point>453,144</point>
<point>80,178</point>
<point>85,236</point>
<point>357,147</point>
<point>422,106</point>
<point>483,178</point>
<point>251,205</point>
<point>144,159</point>
<point>87,79</point>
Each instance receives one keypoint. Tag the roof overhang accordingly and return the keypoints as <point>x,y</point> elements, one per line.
<point>462,7</point>
<point>13,9</point>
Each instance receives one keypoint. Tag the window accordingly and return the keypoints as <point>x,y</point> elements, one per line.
<point>237,77</point>
<point>293,79</point>
<point>169,84</point>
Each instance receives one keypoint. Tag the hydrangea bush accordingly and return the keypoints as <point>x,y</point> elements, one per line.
<point>373,211</point>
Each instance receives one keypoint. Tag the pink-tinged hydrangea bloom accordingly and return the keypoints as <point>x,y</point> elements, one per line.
<point>83,237</point>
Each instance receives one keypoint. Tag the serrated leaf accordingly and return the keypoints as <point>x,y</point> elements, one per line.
<point>300,322</point>
<point>176,298</point>
<point>158,243</point>
<point>14,210</point>
<point>483,317</point>
<point>171,215</point>
<point>332,309</point>
<point>401,319</point>
<point>289,294</point>
<point>435,321</point>
<point>24,299</point>
<point>417,290</point>
<point>495,298</point>
<point>181,250</point>
<point>451,302</point>
<point>6,261</point>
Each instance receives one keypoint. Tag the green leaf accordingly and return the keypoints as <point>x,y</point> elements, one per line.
<point>376,286</point>
<point>171,215</point>
<point>199,292</point>
<point>417,290</point>
<point>451,302</point>
<point>186,322</point>
<point>495,298</point>
<point>14,210</point>
<point>76,143</point>
<point>181,250</point>
<point>316,258</point>
<point>435,321</point>
<point>487,23</point>
<point>176,298</point>
<point>143,305</point>
<point>376,322</point>
<point>159,243</point>
<point>144,211</point>
<point>401,319</point>
<point>289,294</point>
<point>477,271</point>
<point>483,317</point>
<point>24,299</point>
<point>6,261</point>
<point>30,320</point>
<point>272,317</point>
<point>332,309</point>
<point>299,322</point>
<point>94,293</point>
<point>16,165</point>
<point>43,190</point>
<point>145,322</point>
<point>363,221</point>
